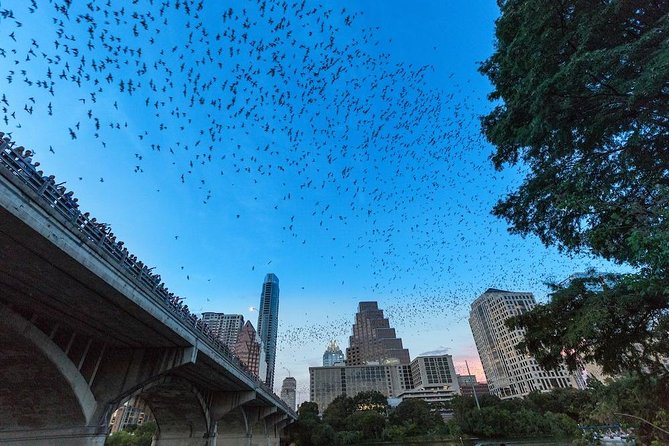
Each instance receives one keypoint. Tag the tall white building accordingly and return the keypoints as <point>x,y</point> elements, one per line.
<point>225,327</point>
<point>509,373</point>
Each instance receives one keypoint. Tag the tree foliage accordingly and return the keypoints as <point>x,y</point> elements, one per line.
<point>338,411</point>
<point>536,416</point>
<point>620,322</point>
<point>582,92</point>
<point>308,409</point>
<point>416,416</point>
<point>370,423</point>
<point>136,435</point>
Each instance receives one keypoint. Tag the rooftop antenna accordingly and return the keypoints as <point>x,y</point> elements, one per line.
<point>473,388</point>
<point>286,369</point>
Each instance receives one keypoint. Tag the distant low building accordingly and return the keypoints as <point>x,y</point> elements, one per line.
<point>132,413</point>
<point>469,385</point>
<point>434,380</point>
<point>327,383</point>
<point>430,372</point>
<point>289,391</point>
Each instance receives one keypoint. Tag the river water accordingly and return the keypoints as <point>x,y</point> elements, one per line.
<point>463,442</point>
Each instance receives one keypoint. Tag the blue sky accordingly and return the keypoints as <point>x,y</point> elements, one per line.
<point>344,155</point>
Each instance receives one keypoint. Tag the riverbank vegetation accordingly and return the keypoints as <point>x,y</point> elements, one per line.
<point>354,420</point>
<point>560,414</point>
<point>134,435</point>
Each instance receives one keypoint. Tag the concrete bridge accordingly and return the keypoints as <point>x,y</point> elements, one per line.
<point>85,326</point>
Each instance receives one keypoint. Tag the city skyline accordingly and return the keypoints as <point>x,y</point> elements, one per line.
<point>406,224</point>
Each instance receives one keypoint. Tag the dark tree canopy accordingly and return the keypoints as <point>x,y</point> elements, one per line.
<point>338,410</point>
<point>582,105</point>
<point>308,409</point>
<point>417,415</point>
<point>583,101</point>
<point>620,323</point>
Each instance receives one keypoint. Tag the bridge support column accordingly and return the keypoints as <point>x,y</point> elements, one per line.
<point>232,425</point>
<point>181,413</point>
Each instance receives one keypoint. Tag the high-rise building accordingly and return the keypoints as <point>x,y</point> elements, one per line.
<point>431,378</point>
<point>509,373</point>
<point>225,327</point>
<point>333,355</point>
<point>250,351</point>
<point>268,321</point>
<point>289,391</point>
<point>373,340</point>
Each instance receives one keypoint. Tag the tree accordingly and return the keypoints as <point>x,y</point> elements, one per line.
<point>308,423</point>
<point>582,91</point>
<point>370,423</point>
<point>576,404</point>
<point>338,410</point>
<point>323,435</point>
<point>633,395</point>
<point>416,416</point>
<point>308,409</point>
<point>134,435</point>
<point>120,438</point>
<point>144,433</point>
<point>614,321</point>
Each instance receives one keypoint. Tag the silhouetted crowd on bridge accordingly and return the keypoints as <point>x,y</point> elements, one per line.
<point>19,161</point>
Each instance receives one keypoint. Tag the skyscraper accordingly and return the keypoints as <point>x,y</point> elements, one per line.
<point>373,341</point>
<point>250,351</point>
<point>509,373</point>
<point>333,355</point>
<point>288,391</point>
<point>225,327</point>
<point>268,321</point>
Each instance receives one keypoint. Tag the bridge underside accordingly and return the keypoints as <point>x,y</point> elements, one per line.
<point>77,340</point>
<point>57,388</point>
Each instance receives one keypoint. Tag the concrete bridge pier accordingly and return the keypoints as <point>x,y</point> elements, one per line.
<point>44,400</point>
<point>241,423</point>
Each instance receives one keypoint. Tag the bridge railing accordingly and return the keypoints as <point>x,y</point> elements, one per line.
<point>17,161</point>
